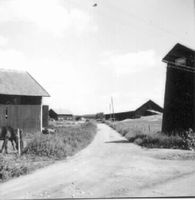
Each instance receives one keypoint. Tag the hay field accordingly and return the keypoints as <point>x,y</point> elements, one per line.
<point>149,125</point>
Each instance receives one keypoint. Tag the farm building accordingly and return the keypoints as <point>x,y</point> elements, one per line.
<point>60,114</point>
<point>53,114</point>
<point>148,108</point>
<point>120,116</point>
<point>179,107</point>
<point>21,101</point>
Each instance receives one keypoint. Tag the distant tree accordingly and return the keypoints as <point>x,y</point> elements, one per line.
<point>100,115</point>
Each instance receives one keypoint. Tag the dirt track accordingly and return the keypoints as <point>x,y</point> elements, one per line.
<point>108,167</point>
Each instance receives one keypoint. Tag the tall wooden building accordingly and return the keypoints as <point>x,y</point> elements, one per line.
<point>21,100</point>
<point>179,100</point>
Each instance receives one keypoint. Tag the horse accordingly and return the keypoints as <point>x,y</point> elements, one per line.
<point>7,133</point>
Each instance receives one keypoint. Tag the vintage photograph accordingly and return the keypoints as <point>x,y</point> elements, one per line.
<point>97,99</point>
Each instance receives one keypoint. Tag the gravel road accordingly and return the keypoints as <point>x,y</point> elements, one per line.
<point>108,167</point>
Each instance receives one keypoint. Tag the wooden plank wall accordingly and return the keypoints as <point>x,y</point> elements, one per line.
<point>45,117</point>
<point>26,117</point>
<point>3,120</point>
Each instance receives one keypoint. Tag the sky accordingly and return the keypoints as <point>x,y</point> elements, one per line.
<point>84,55</point>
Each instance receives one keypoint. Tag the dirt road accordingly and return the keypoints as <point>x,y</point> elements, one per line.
<point>108,167</point>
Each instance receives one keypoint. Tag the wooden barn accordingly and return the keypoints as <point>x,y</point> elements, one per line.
<point>148,108</point>
<point>179,100</point>
<point>21,101</point>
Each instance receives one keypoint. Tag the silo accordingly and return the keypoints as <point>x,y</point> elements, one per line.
<point>179,101</point>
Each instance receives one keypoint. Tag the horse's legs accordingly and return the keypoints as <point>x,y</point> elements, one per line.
<point>3,145</point>
<point>13,145</point>
<point>6,141</point>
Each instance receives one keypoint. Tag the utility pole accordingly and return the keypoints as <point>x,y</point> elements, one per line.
<point>112,108</point>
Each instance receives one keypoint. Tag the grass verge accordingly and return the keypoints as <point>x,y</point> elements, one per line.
<point>147,134</point>
<point>42,150</point>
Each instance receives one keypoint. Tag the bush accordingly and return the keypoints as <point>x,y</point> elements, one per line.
<point>163,141</point>
<point>138,141</point>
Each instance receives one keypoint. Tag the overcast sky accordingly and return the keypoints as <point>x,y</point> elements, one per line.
<point>82,55</point>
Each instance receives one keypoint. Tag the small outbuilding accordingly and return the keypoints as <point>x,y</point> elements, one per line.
<point>179,100</point>
<point>60,114</point>
<point>21,101</point>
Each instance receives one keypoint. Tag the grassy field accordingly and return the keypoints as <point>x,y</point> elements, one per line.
<point>144,125</point>
<point>41,150</point>
<point>146,132</point>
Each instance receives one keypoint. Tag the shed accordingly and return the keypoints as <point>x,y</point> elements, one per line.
<point>179,107</point>
<point>21,100</point>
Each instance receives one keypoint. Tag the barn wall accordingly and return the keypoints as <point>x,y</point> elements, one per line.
<point>45,115</point>
<point>121,116</point>
<point>26,117</point>
<point>20,100</point>
<point>179,108</point>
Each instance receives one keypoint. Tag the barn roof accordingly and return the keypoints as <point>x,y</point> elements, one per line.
<point>151,105</point>
<point>14,82</point>
<point>180,51</point>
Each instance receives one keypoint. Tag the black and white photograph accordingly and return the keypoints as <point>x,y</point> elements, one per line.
<point>97,99</point>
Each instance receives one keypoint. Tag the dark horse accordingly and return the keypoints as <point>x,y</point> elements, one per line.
<point>7,133</point>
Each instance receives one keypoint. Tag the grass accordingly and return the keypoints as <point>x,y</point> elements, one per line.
<point>146,132</point>
<point>42,150</point>
<point>160,140</point>
<point>65,142</point>
<point>12,166</point>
